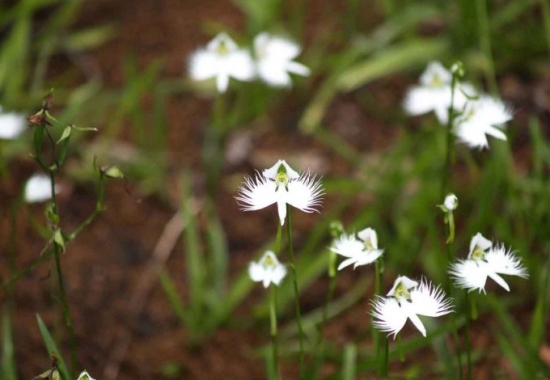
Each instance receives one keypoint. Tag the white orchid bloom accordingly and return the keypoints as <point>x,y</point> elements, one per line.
<point>407,300</point>
<point>11,125</point>
<point>282,185</point>
<point>267,270</point>
<point>360,250</point>
<point>38,188</point>
<point>275,60</point>
<point>221,59</point>
<point>484,261</point>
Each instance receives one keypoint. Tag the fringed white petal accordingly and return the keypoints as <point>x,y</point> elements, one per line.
<point>256,193</point>
<point>305,193</point>
<point>389,317</point>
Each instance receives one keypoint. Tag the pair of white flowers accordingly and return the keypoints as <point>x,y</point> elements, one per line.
<point>272,62</point>
<point>407,299</point>
<point>12,125</point>
<point>479,115</point>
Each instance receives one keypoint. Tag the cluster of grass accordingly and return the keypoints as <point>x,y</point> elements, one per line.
<point>502,194</point>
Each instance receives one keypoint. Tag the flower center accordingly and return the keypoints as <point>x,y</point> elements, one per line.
<point>478,254</point>
<point>437,81</point>
<point>269,262</point>
<point>402,293</point>
<point>222,48</point>
<point>281,179</point>
<point>367,244</point>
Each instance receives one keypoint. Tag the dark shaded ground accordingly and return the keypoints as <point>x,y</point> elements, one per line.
<point>105,266</point>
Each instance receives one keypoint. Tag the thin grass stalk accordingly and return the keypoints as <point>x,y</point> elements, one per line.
<point>319,345</point>
<point>213,146</point>
<point>485,43</point>
<point>545,4</point>
<point>296,292</point>
<point>273,325</point>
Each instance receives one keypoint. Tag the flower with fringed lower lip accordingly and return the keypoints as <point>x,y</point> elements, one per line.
<point>484,261</point>
<point>360,250</point>
<point>480,118</point>
<point>282,185</point>
<point>11,125</point>
<point>39,188</point>
<point>221,59</point>
<point>267,270</point>
<point>274,60</point>
<point>407,300</point>
<point>434,93</point>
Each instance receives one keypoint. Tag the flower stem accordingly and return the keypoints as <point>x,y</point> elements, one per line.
<point>485,43</point>
<point>469,310</point>
<point>296,292</point>
<point>273,322</point>
<point>376,335</point>
<point>319,346</point>
<point>65,306</point>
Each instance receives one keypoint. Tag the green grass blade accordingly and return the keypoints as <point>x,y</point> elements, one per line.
<point>51,346</point>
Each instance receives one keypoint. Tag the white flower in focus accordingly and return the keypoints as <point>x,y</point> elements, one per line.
<point>451,202</point>
<point>85,376</point>
<point>267,270</point>
<point>274,59</point>
<point>11,125</point>
<point>484,261</point>
<point>221,59</point>
<point>38,188</point>
<point>480,118</point>
<point>359,251</point>
<point>407,300</point>
<point>282,185</point>
<point>434,93</point>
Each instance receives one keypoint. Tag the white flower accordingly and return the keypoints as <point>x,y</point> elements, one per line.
<point>479,119</point>
<point>450,203</point>
<point>38,188</point>
<point>222,59</point>
<point>274,59</point>
<point>359,251</point>
<point>434,93</point>
<point>406,300</point>
<point>282,185</point>
<point>267,270</point>
<point>484,261</point>
<point>11,125</point>
<point>85,376</point>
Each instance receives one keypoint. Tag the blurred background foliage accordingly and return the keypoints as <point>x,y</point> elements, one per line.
<point>362,62</point>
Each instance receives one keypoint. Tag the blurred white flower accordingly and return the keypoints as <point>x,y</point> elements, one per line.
<point>434,93</point>
<point>360,250</point>
<point>85,376</point>
<point>267,270</point>
<point>484,261</point>
<point>274,59</point>
<point>480,118</point>
<point>38,188</point>
<point>221,59</point>
<point>282,185</point>
<point>11,125</point>
<point>407,300</point>
<point>451,202</point>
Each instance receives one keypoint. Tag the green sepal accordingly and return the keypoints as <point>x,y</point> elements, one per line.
<point>114,172</point>
<point>59,240</point>
<point>65,135</point>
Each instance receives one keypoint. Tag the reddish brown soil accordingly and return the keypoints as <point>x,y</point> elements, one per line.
<point>105,266</point>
